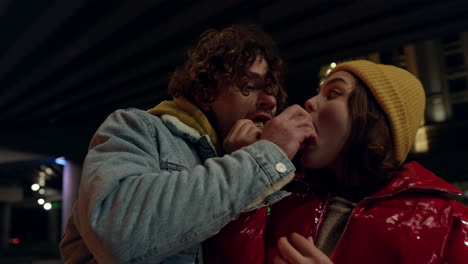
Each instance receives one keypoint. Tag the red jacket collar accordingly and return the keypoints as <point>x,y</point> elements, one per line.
<point>414,176</point>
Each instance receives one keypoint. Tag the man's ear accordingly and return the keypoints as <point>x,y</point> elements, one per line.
<point>203,102</point>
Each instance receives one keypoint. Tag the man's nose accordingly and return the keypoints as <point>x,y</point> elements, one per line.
<point>266,101</point>
<point>312,104</point>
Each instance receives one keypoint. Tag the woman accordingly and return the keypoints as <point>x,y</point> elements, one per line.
<point>357,201</point>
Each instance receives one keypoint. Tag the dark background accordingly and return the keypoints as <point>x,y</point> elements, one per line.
<point>66,64</point>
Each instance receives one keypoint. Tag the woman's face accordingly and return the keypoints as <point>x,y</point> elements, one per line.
<point>330,114</point>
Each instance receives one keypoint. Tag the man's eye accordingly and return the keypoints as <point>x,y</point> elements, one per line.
<point>333,94</point>
<point>250,87</point>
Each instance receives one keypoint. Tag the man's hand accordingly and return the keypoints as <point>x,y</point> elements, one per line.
<point>296,249</point>
<point>244,132</point>
<point>289,129</point>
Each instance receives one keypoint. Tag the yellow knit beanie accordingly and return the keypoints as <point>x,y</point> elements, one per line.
<point>399,93</point>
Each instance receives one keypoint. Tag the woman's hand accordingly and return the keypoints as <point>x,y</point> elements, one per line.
<point>296,249</point>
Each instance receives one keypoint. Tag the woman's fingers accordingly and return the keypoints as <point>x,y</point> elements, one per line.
<point>304,246</point>
<point>278,260</point>
<point>296,249</point>
<point>288,252</point>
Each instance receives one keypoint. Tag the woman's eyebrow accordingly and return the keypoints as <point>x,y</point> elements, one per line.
<point>331,81</point>
<point>334,80</point>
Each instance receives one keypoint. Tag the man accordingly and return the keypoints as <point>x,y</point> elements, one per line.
<point>156,184</point>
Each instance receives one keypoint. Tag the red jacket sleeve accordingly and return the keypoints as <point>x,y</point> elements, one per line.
<point>456,250</point>
<point>240,241</point>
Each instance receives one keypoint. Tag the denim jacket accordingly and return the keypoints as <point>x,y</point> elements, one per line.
<point>153,188</point>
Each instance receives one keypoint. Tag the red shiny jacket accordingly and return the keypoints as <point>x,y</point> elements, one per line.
<point>411,220</point>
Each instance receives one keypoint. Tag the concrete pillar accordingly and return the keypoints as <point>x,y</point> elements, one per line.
<point>411,59</point>
<point>432,75</point>
<point>53,235</point>
<point>5,216</point>
<point>464,46</point>
<point>70,184</point>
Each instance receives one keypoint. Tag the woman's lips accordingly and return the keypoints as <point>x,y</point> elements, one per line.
<point>308,143</point>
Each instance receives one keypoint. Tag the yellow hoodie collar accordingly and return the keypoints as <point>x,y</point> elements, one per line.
<point>188,114</point>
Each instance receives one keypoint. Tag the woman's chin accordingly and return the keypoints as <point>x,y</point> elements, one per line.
<point>315,161</point>
<point>311,164</point>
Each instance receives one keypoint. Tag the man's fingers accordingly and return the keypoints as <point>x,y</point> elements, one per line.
<point>239,125</point>
<point>296,117</point>
<point>243,133</point>
<point>298,122</point>
<point>294,111</point>
<point>301,121</point>
<point>288,252</point>
<point>244,128</point>
<point>289,130</point>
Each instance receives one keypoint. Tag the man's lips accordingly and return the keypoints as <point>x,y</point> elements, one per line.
<point>260,116</point>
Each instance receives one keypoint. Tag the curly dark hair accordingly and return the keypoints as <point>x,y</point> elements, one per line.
<point>223,57</point>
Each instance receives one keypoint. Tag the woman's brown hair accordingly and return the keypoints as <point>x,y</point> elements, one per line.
<point>368,156</point>
<point>368,161</point>
<point>223,57</point>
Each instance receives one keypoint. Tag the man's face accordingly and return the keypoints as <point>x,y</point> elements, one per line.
<point>231,105</point>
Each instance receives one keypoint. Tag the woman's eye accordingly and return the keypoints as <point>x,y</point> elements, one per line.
<point>333,94</point>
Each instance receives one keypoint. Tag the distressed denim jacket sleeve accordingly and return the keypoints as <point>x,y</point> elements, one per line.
<point>130,209</point>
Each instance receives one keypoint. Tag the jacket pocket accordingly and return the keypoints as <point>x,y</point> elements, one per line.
<point>172,166</point>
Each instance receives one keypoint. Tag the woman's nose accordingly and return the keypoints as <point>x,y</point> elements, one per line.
<point>266,101</point>
<point>311,105</point>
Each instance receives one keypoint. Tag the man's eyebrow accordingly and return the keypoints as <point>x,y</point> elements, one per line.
<point>254,75</point>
